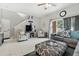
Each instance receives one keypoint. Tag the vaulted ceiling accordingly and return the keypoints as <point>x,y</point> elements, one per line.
<point>32,8</point>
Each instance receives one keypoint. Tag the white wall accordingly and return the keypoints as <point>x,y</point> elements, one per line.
<point>16,19</point>
<point>13,17</point>
<point>0,15</point>
<point>71,11</point>
<point>0,18</point>
<point>5,27</point>
<point>21,25</point>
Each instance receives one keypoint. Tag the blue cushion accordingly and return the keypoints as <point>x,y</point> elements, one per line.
<point>75,34</point>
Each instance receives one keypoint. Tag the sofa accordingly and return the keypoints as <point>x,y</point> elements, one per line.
<point>70,42</point>
<point>73,43</point>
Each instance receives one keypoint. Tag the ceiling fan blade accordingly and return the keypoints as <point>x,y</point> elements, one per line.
<point>41,4</point>
<point>52,4</point>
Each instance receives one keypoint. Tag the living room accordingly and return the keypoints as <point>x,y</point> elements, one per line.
<point>23,30</point>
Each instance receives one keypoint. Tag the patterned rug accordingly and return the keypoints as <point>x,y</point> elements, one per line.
<point>69,52</point>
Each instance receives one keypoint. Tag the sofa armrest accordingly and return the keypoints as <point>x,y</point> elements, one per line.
<point>76,52</point>
<point>71,42</point>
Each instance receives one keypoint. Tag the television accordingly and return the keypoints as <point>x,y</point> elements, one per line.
<point>28,28</point>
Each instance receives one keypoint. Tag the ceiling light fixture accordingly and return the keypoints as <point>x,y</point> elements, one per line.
<point>47,5</point>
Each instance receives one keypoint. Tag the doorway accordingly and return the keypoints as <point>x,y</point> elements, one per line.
<point>54,26</point>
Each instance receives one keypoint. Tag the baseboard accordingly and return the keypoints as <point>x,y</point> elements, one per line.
<point>22,40</point>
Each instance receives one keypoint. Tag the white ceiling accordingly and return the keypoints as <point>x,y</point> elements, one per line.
<point>32,8</point>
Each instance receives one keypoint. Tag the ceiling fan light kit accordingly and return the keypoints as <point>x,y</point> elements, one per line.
<point>46,5</point>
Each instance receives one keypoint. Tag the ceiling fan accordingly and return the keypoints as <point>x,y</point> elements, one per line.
<point>46,5</point>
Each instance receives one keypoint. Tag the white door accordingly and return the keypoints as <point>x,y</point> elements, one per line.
<point>6,27</point>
